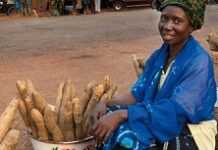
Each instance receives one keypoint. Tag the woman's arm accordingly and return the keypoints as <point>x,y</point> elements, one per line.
<point>124,99</point>
<point>101,107</point>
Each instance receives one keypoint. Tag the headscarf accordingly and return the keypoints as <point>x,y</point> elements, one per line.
<point>194,9</point>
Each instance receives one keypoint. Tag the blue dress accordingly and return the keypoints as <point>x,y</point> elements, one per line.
<point>187,96</point>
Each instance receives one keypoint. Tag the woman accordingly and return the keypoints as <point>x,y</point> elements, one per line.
<point>176,89</point>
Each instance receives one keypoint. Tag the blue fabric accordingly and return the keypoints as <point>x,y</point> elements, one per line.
<point>188,95</point>
<point>18,4</point>
<point>124,136</point>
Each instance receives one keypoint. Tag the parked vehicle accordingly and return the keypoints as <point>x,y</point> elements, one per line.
<point>68,6</point>
<point>7,7</point>
<point>212,1</point>
<point>120,4</point>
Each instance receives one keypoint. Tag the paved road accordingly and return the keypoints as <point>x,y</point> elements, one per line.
<point>39,34</point>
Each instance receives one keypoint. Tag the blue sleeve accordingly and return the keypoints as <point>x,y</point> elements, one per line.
<point>138,88</point>
<point>160,119</point>
<point>191,101</point>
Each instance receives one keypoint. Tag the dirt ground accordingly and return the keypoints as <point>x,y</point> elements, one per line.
<point>81,48</point>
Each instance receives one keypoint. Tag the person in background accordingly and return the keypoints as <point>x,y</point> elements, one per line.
<point>78,6</point>
<point>29,7</point>
<point>97,6</point>
<point>26,7</point>
<point>57,7</point>
<point>171,105</point>
<point>86,6</point>
<point>18,5</point>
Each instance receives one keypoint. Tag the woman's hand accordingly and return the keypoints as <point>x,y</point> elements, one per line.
<point>100,109</point>
<point>91,118</point>
<point>108,124</point>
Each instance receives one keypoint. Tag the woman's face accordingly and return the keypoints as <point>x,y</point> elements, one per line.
<point>174,25</point>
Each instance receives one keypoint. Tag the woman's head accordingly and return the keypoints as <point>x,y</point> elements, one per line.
<point>179,18</point>
<point>174,25</point>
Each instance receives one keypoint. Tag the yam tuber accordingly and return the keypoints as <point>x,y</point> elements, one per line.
<point>136,65</point>
<point>30,87</point>
<point>107,83</point>
<point>87,95</point>
<point>29,106</point>
<point>10,141</point>
<point>213,41</point>
<point>22,88</point>
<point>39,101</point>
<point>68,124</point>
<point>111,92</point>
<point>78,118</point>
<point>66,112</point>
<point>89,88</point>
<point>51,124</point>
<point>141,63</point>
<point>59,97</point>
<point>84,102</point>
<point>40,124</point>
<point>99,91</point>
<point>23,112</point>
<point>7,118</point>
<point>97,94</point>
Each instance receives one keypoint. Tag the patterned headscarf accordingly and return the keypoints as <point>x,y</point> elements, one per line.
<point>195,9</point>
